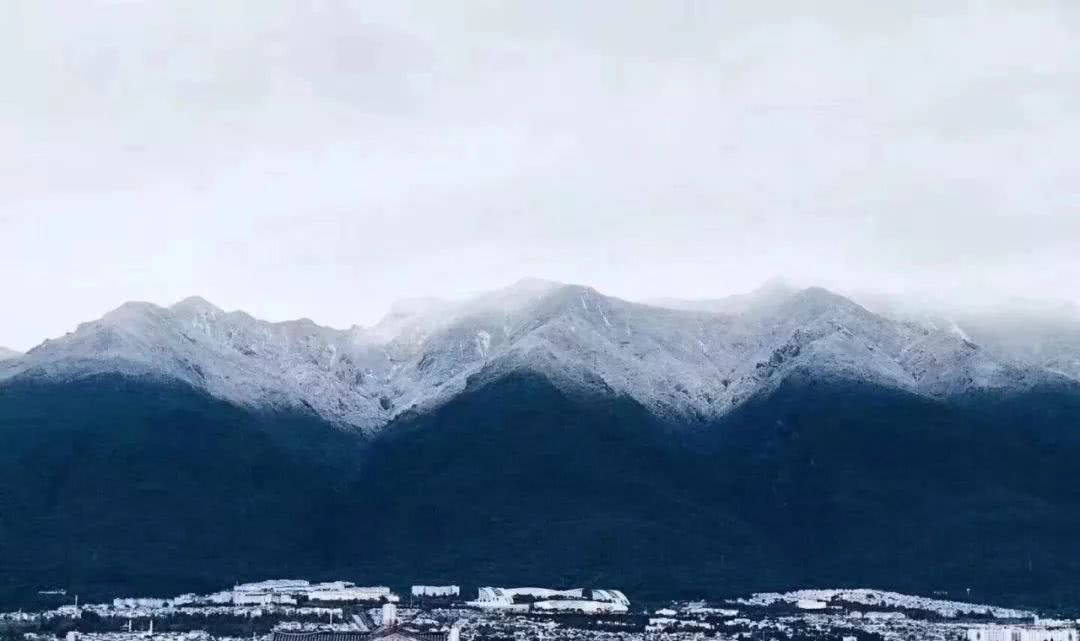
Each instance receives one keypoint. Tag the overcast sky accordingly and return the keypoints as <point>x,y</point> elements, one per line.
<point>324,158</point>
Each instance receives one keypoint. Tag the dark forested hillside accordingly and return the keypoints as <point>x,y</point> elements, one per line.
<point>815,485</point>
<point>119,486</point>
<point>863,486</point>
<point>517,481</point>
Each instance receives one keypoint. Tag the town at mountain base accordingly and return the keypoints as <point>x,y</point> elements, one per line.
<point>120,484</point>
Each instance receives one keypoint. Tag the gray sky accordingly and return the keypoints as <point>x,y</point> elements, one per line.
<point>325,158</point>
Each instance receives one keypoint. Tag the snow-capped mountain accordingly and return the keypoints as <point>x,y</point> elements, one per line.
<point>1050,341</point>
<point>1032,333</point>
<point>691,362</point>
<point>772,293</point>
<point>8,354</point>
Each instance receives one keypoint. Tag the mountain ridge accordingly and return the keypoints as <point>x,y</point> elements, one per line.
<point>530,470</point>
<point>695,364</point>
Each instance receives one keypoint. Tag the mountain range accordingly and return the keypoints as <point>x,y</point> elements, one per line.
<point>549,433</point>
<point>687,361</point>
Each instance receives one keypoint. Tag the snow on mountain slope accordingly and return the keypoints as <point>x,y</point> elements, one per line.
<point>686,363</point>
<point>774,292</point>
<point>8,354</point>
<point>1033,335</point>
<point>230,355</point>
<point>1050,342</point>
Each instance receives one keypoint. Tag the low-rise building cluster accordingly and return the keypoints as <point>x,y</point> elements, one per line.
<point>294,610</point>
<point>1034,632</point>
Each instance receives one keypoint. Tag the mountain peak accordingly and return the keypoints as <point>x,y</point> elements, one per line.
<point>8,354</point>
<point>526,290</point>
<point>699,359</point>
<point>531,283</point>
<point>819,296</point>
<point>768,296</point>
<point>515,297</point>
<point>775,287</point>
<point>131,312</point>
<point>817,300</point>
<point>196,306</point>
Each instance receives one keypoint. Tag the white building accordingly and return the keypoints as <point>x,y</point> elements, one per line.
<point>220,598</point>
<point>493,598</point>
<point>262,598</point>
<point>342,591</point>
<point>1021,633</point>
<point>435,590</point>
<point>546,593</point>
<point>290,586</point>
<point>138,603</point>
<point>578,605</point>
<point>389,615</point>
<point>610,596</point>
<point>289,592</point>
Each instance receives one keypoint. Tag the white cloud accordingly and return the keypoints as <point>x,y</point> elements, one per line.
<point>325,158</point>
